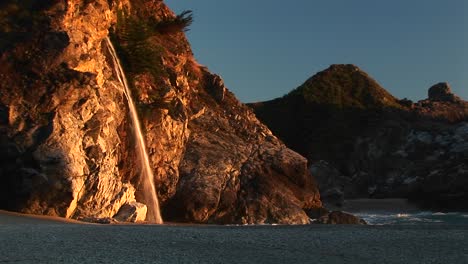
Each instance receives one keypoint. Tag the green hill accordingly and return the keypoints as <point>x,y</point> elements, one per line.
<point>345,85</point>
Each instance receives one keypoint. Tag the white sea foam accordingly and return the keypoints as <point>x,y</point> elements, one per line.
<point>439,213</point>
<point>416,218</point>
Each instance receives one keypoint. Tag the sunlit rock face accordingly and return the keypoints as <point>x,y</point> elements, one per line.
<point>66,144</point>
<point>62,111</point>
<point>363,142</point>
<point>234,170</point>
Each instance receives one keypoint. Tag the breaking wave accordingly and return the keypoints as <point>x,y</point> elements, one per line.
<point>414,218</point>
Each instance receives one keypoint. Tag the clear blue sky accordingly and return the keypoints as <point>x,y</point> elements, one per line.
<point>265,48</point>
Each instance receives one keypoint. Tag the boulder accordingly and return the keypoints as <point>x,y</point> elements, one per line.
<point>441,92</point>
<point>340,218</point>
<point>132,212</point>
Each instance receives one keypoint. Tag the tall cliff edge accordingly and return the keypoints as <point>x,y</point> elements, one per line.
<point>66,144</point>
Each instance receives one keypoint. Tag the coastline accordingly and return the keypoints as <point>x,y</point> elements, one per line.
<point>8,217</point>
<point>352,206</point>
<point>45,239</point>
<point>60,242</point>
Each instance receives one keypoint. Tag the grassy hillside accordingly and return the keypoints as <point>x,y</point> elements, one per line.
<point>345,86</point>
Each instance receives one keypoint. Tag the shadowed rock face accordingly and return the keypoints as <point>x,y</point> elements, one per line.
<point>339,218</point>
<point>363,142</point>
<point>441,92</point>
<point>66,144</point>
<point>234,170</point>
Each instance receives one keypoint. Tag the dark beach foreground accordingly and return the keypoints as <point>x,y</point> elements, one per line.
<point>43,241</point>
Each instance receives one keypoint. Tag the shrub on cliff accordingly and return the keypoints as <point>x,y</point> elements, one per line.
<point>137,39</point>
<point>176,24</point>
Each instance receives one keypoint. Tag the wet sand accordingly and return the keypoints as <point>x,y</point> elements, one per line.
<point>31,240</point>
<point>7,217</point>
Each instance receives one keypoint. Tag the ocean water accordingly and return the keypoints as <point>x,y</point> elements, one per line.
<point>413,218</point>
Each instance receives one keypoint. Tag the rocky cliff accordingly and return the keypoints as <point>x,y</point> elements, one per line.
<point>66,144</point>
<point>363,142</point>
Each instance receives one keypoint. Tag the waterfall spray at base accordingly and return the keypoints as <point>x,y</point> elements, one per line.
<point>154,215</point>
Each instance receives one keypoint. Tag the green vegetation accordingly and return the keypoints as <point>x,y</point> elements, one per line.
<point>137,42</point>
<point>345,86</point>
<point>142,45</point>
<point>324,117</point>
<point>174,25</point>
<point>131,39</point>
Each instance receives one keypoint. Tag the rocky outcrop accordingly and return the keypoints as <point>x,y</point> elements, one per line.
<point>235,171</point>
<point>66,144</point>
<point>339,218</point>
<point>132,212</point>
<point>362,142</point>
<point>441,92</point>
<point>61,112</point>
<point>332,182</point>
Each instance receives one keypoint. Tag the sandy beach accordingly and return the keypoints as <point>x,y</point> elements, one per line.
<point>31,239</point>
<point>9,218</point>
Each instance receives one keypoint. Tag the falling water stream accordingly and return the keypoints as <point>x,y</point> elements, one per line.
<point>154,215</point>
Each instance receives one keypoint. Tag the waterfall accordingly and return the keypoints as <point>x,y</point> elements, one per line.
<point>154,215</point>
